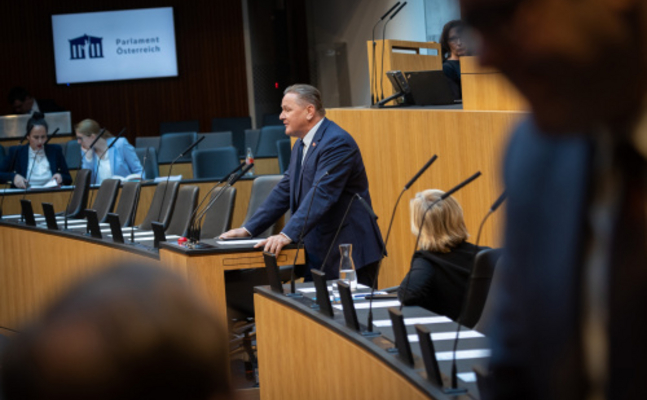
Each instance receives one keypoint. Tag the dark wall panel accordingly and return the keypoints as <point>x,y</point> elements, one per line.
<point>211,64</point>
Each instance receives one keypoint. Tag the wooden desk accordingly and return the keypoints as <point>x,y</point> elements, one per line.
<point>396,143</point>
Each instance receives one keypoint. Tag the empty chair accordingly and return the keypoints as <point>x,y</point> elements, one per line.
<point>217,219</point>
<point>2,154</point>
<point>213,140</point>
<point>79,201</point>
<point>151,167</point>
<point>125,208</point>
<point>284,148</point>
<point>106,197</point>
<point>251,139</point>
<point>192,125</point>
<point>148,141</point>
<point>237,126</point>
<point>214,163</point>
<point>187,200</point>
<point>272,120</point>
<point>479,286</point>
<point>172,144</point>
<point>73,154</point>
<point>267,141</point>
<point>161,211</point>
<point>261,188</point>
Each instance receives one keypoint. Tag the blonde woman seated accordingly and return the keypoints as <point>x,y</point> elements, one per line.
<point>440,269</point>
<point>120,161</point>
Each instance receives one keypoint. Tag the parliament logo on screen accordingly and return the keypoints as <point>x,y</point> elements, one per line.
<point>86,46</point>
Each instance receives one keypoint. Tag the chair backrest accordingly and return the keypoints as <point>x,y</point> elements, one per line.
<point>187,200</point>
<point>214,163</point>
<point>479,286</point>
<point>251,140</point>
<point>72,154</point>
<point>192,125</point>
<point>159,210</point>
<point>284,148</point>
<point>236,126</point>
<point>217,219</point>
<point>267,141</point>
<point>272,119</point>
<point>151,169</point>
<point>148,141</point>
<point>261,188</point>
<point>124,210</point>
<point>106,197</point>
<point>214,140</point>
<point>172,144</point>
<point>79,201</point>
<point>2,154</point>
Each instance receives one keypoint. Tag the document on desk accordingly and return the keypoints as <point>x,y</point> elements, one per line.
<point>232,243</point>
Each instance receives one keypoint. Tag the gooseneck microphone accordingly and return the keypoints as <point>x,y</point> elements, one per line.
<point>305,219</point>
<point>50,137</point>
<point>383,48</point>
<point>170,170</point>
<point>422,220</point>
<point>413,180</point>
<point>96,171</point>
<point>96,139</point>
<point>373,77</point>
<point>493,208</point>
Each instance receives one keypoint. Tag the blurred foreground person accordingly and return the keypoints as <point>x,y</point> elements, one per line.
<point>130,332</point>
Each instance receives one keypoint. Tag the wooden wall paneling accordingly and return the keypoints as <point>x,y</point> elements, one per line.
<point>488,89</point>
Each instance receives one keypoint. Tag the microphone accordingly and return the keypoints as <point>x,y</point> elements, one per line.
<point>305,220</point>
<point>422,220</point>
<point>101,132</point>
<point>383,47</point>
<point>413,180</point>
<point>51,136</point>
<point>96,171</point>
<point>364,204</point>
<point>116,138</point>
<point>170,170</point>
<point>493,208</point>
<point>373,78</point>
<point>144,166</point>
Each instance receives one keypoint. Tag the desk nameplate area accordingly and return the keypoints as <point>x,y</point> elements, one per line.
<point>473,347</point>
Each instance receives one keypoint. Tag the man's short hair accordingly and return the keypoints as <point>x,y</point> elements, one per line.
<point>17,93</point>
<point>129,332</point>
<point>308,94</point>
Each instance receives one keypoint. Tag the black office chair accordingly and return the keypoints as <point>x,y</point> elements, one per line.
<point>187,200</point>
<point>171,144</point>
<point>284,148</point>
<point>2,154</point>
<point>217,219</point>
<point>261,188</point>
<point>479,286</point>
<point>214,140</point>
<point>79,201</point>
<point>192,125</point>
<point>142,142</point>
<point>484,324</point>
<point>154,214</point>
<point>214,163</point>
<point>105,198</point>
<point>125,209</point>
<point>267,141</point>
<point>237,126</point>
<point>72,154</point>
<point>151,169</point>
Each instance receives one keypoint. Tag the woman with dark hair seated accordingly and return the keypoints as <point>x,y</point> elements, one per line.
<point>454,46</point>
<point>441,268</point>
<point>35,164</point>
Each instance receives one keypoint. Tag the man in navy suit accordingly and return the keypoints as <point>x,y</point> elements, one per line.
<point>569,319</point>
<point>321,144</point>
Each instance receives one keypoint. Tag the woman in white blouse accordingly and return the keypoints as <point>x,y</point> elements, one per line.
<point>37,163</point>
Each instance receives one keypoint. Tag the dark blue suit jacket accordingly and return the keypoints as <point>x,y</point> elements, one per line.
<point>329,145</point>
<point>20,157</point>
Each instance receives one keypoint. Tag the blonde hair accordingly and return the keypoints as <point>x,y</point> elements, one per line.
<point>88,127</point>
<point>444,227</point>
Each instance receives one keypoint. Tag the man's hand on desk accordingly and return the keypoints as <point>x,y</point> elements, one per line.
<point>274,244</point>
<point>235,233</point>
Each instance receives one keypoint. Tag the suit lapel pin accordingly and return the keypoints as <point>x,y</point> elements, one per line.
<point>314,144</point>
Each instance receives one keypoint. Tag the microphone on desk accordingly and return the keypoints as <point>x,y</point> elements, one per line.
<point>373,77</point>
<point>51,136</point>
<point>196,227</point>
<point>383,48</point>
<point>144,164</point>
<point>305,219</point>
<point>413,180</point>
<point>170,170</point>
<point>454,372</point>
<point>96,139</point>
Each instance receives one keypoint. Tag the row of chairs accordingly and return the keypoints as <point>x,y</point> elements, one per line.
<point>237,125</point>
